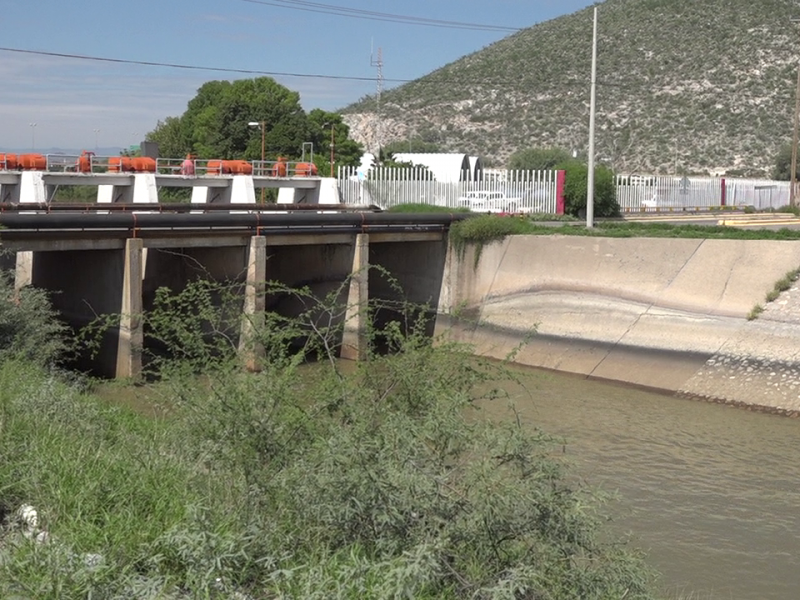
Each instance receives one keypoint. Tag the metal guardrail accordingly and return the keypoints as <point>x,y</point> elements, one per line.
<point>90,163</point>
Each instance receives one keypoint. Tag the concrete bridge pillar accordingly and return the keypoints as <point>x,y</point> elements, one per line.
<point>240,190</point>
<point>131,335</point>
<point>145,190</point>
<point>326,192</point>
<point>254,303</point>
<point>32,187</point>
<point>354,341</point>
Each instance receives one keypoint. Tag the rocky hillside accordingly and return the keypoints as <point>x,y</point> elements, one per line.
<point>690,86</point>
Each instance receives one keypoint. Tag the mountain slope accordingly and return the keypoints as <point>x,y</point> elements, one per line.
<point>683,85</point>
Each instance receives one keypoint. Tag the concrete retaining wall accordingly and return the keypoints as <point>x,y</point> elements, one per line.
<point>661,313</point>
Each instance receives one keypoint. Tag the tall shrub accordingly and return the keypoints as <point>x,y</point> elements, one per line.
<point>576,190</point>
<point>29,327</point>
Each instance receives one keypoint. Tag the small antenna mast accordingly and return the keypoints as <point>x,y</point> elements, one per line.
<point>378,63</point>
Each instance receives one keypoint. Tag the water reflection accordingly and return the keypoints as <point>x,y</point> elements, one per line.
<point>709,491</point>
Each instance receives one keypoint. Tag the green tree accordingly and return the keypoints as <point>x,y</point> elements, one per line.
<point>537,159</point>
<point>346,152</point>
<point>216,124</point>
<point>171,138</point>
<point>575,190</point>
<point>782,170</point>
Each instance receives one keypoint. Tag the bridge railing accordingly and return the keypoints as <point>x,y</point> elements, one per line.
<point>89,163</point>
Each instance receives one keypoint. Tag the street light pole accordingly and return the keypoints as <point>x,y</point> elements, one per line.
<point>332,144</point>
<point>592,109</point>
<point>33,136</point>
<point>793,176</point>
<point>263,125</point>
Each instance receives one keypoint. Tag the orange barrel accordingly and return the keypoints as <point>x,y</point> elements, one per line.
<point>8,162</point>
<point>143,164</point>
<point>305,170</point>
<point>237,167</point>
<point>32,162</point>
<point>214,167</point>
<point>84,162</point>
<point>119,164</point>
<point>279,170</point>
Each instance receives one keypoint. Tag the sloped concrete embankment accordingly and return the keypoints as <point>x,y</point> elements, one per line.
<point>661,313</point>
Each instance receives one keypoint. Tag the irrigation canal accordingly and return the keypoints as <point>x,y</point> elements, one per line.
<point>708,491</point>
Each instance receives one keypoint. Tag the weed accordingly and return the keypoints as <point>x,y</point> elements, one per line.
<point>318,482</point>
<point>755,312</point>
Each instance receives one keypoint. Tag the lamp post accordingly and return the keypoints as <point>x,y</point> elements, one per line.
<point>263,125</point>
<point>592,108</point>
<point>33,136</point>
<point>795,135</point>
<point>332,144</point>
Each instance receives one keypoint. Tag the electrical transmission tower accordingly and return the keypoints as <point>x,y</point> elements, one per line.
<point>378,64</point>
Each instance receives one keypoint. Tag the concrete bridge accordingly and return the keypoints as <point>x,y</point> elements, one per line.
<point>113,187</point>
<point>113,263</point>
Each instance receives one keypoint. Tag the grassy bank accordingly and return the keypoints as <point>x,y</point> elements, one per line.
<point>379,482</point>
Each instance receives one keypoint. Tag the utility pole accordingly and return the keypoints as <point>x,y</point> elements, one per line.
<point>592,109</point>
<point>795,135</point>
<point>793,176</point>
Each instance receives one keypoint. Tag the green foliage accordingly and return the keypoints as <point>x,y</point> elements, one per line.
<point>536,159</point>
<point>215,125</point>
<point>782,285</point>
<point>29,327</point>
<point>575,189</point>
<point>486,229</point>
<point>379,481</point>
<point>782,171</point>
<point>755,312</point>
<point>347,152</point>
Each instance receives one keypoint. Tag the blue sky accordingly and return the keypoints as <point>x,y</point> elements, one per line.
<point>79,103</point>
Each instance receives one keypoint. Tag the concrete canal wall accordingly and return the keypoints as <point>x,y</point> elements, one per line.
<point>669,314</point>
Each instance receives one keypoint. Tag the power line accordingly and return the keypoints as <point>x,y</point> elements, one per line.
<point>636,86</point>
<point>342,11</point>
<point>148,63</point>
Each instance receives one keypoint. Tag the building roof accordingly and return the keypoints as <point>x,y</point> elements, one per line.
<point>444,167</point>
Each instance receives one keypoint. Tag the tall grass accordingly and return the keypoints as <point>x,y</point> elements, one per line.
<point>322,482</point>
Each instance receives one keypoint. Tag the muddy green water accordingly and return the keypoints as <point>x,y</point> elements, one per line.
<point>710,492</point>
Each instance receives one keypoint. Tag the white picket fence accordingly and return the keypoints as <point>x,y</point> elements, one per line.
<point>523,191</point>
<point>650,193</point>
<point>536,191</point>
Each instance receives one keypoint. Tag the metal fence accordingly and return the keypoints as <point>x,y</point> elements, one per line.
<point>536,191</point>
<point>509,191</point>
<point>650,193</point>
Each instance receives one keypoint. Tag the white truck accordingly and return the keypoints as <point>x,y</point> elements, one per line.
<point>489,202</point>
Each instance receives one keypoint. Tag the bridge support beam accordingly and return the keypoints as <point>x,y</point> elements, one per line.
<point>355,341</point>
<point>32,187</point>
<point>254,304</point>
<point>241,190</point>
<point>131,336</point>
<point>327,192</point>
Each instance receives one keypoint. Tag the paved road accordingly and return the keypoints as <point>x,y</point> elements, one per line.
<point>739,220</point>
